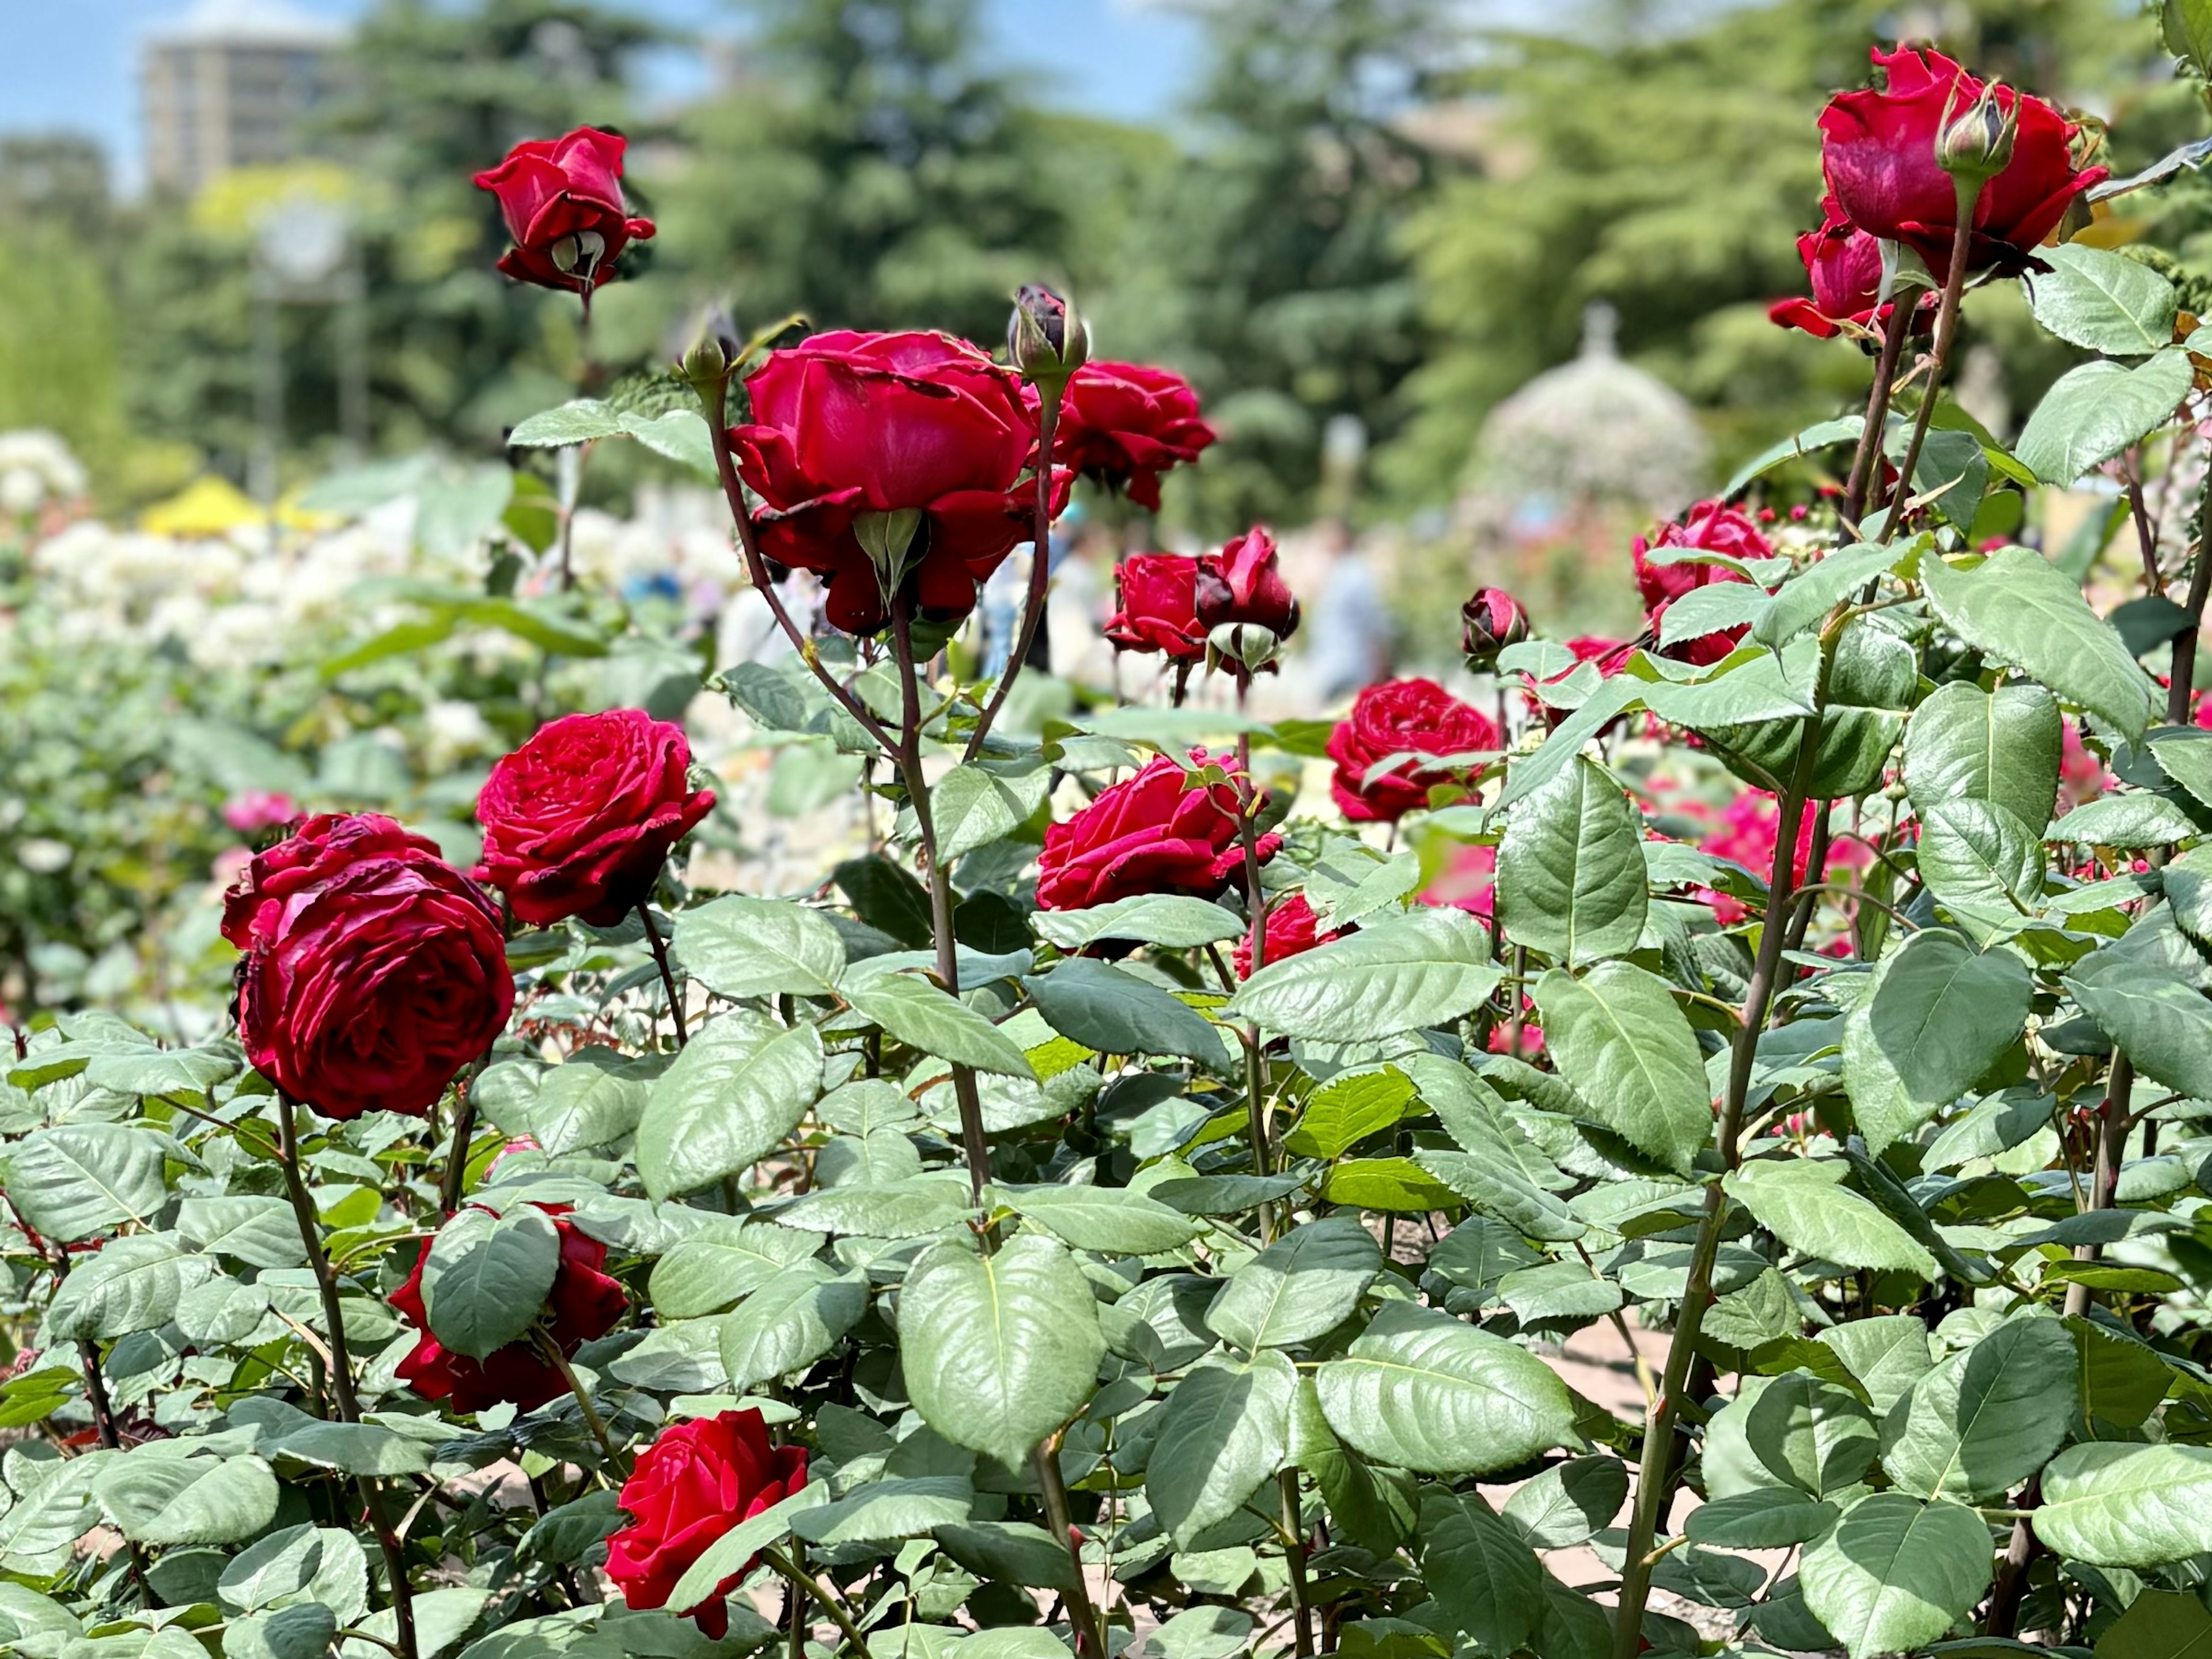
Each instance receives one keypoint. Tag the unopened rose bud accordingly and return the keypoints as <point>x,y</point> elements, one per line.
<point>1490,621</point>
<point>1045,338</point>
<point>713,351</point>
<point>1977,145</point>
<point>1247,647</point>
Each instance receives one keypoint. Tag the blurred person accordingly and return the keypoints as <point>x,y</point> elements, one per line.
<point>1348,641</point>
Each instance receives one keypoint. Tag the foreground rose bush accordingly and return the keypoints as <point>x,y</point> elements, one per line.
<point>1412,716</point>
<point>579,821</point>
<point>1148,834</point>
<point>374,970</point>
<point>1125,424</point>
<point>562,202</point>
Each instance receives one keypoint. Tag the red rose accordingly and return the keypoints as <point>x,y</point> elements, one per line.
<point>1159,606</point>
<point>373,970</point>
<point>1148,834</point>
<point>1397,717</point>
<point>1711,527</point>
<point>1466,881</point>
<point>579,819</point>
<point>1241,584</point>
<point>1878,152</point>
<point>697,1482</point>
<point>1607,654</point>
<point>1844,266</point>
<point>1124,424</point>
<point>1292,930</point>
<point>562,202</point>
<point>583,1303</point>
<point>850,429</point>
<point>1488,623</point>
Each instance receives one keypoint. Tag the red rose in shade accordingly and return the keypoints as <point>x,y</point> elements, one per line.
<point>562,202</point>
<point>373,970</point>
<point>1878,152</point>
<point>1159,606</point>
<point>1148,834</point>
<point>1844,266</point>
<point>697,1482</point>
<point>853,432</point>
<point>1124,424</point>
<point>1292,930</point>
<point>1242,584</point>
<point>583,1303</point>
<point>1711,527</point>
<point>1397,717</point>
<point>579,819</point>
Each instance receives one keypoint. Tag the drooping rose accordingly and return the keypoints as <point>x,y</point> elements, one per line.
<point>888,463</point>
<point>1399,717</point>
<point>1242,583</point>
<point>1159,606</point>
<point>1124,424</point>
<point>1710,527</point>
<point>1878,153</point>
<point>579,819</point>
<point>1488,623</point>
<point>583,1305</point>
<point>1292,930</point>
<point>1148,834</point>
<point>374,970</point>
<point>1844,264</point>
<point>695,1483</point>
<point>562,202</point>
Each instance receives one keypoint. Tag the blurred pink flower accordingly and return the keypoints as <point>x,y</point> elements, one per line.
<point>252,811</point>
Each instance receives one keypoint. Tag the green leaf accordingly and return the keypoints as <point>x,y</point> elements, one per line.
<point>579,421</point>
<point>1811,1434</point>
<point>1824,435</point>
<point>887,898</point>
<point>1013,1551</point>
<point>885,1510</point>
<point>790,1322</point>
<point>722,1265</point>
<point>2130,820</point>
<point>1986,1419</point>
<point>302,1632</point>
<point>1965,743</point>
<point>1941,1015</point>
<point>1569,1503</point>
<point>74,1180</point>
<point>1895,1573</point>
<point>1570,872</point>
<point>1803,1203</point>
<point>1613,698</point>
<point>262,1232</point>
<point>727,1556</point>
<point>1305,1283</point>
<point>2020,611</point>
<point>487,1277</point>
<point>1168,919</point>
<point>915,1011</point>
<point>1116,1013</point>
<point>1767,1518</point>
<point>1979,860</point>
<point>676,434</point>
<point>2095,411</point>
<point>737,946</point>
<point>2184,754</point>
<point>2103,301</point>
<point>1420,1391</point>
<point>909,1208</point>
<point>2160,1623</point>
<point>1402,973</point>
<point>2161,1023</point>
<point>1814,592</point>
<point>729,1099</point>
<point>1396,1184</point>
<point>1374,1507</point>
<point>1347,1109</point>
<point>163,1499</point>
<point>974,805</point>
<point>2116,1505</point>
<point>586,1104</point>
<point>1618,1039</point>
<point>1487,1581</point>
<point>1112,1220</point>
<point>1490,1182</point>
<point>999,1352</point>
<point>133,1283</point>
<point>1222,1432</point>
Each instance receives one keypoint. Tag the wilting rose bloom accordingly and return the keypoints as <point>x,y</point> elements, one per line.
<point>1711,527</point>
<point>853,432</point>
<point>579,819</point>
<point>1488,623</point>
<point>1159,606</point>
<point>695,1483</point>
<point>252,811</point>
<point>1148,834</point>
<point>1414,716</point>
<point>1878,152</point>
<point>1844,264</point>
<point>1242,583</point>
<point>1292,930</point>
<point>1124,424</point>
<point>583,1304</point>
<point>374,970</point>
<point>562,202</point>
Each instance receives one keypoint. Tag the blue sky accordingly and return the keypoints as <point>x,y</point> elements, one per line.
<point>71,64</point>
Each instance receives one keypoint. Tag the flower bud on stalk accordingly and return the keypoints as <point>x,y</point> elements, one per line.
<point>713,353</point>
<point>1045,339</point>
<point>1978,145</point>
<point>1490,621</point>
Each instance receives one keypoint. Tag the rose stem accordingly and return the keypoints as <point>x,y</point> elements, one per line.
<point>1877,410</point>
<point>667,974</point>
<point>1659,1467</point>
<point>571,481</point>
<point>551,1350</point>
<point>1946,321</point>
<point>1040,566</point>
<point>1294,1553</point>
<point>1090,1637</point>
<point>1256,902</point>
<point>96,1392</point>
<point>349,1404</point>
<point>777,1560</point>
<point>464,1119</point>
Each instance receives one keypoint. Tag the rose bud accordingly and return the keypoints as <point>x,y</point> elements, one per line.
<point>1045,339</point>
<point>714,352</point>
<point>1159,606</point>
<point>1398,717</point>
<point>1979,144</point>
<point>1153,833</point>
<point>1242,584</point>
<point>562,202</point>
<point>1490,621</point>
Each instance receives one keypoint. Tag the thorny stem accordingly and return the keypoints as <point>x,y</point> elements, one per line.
<point>660,948</point>
<point>456,1157</point>
<point>1947,325</point>
<point>1090,1635</point>
<point>593,1421</point>
<point>1901,310</point>
<point>1256,902</point>
<point>2182,678</point>
<point>1049,393</point>
<point>830,1604</point>
<point>2146,530</point>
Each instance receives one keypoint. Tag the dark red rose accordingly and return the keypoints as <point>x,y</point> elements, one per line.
<point>1148,834</point>
<point>1159,606</point>
<point>852,429</point>
<point>583,1304</point>
<point>373,970</point>
<point>1488,623</point>
<point>697,1482</point>
<point>579,819</point>
<point>1878,152</point>
<point>1844,264</point>
<point>1416,717</point>
<point>562,202</point>
<point>1292,930</point>
<point>1242,584</point>
<point>1711,527</point>
<point>1124,424</point>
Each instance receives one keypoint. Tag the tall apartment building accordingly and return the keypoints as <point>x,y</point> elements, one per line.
<point>229,85</point>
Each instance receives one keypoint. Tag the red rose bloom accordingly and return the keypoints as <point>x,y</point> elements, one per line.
<point>697,1482</point>
<point>1844,266</point>
<point>1148,834</point>
<point>1242,584</point>
<point>562,202</point>
<point>373,970</point>
<point>1711,527</point>
<point>579,819</point>
<point>1397,717</point>
<point>1159,606</point>
<point>1878,152</point>
<point>1292,930</point>
<point>1124,424</point>
<point>1488,623</point>
<point>583,1303</point>
<point>850,429</point>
